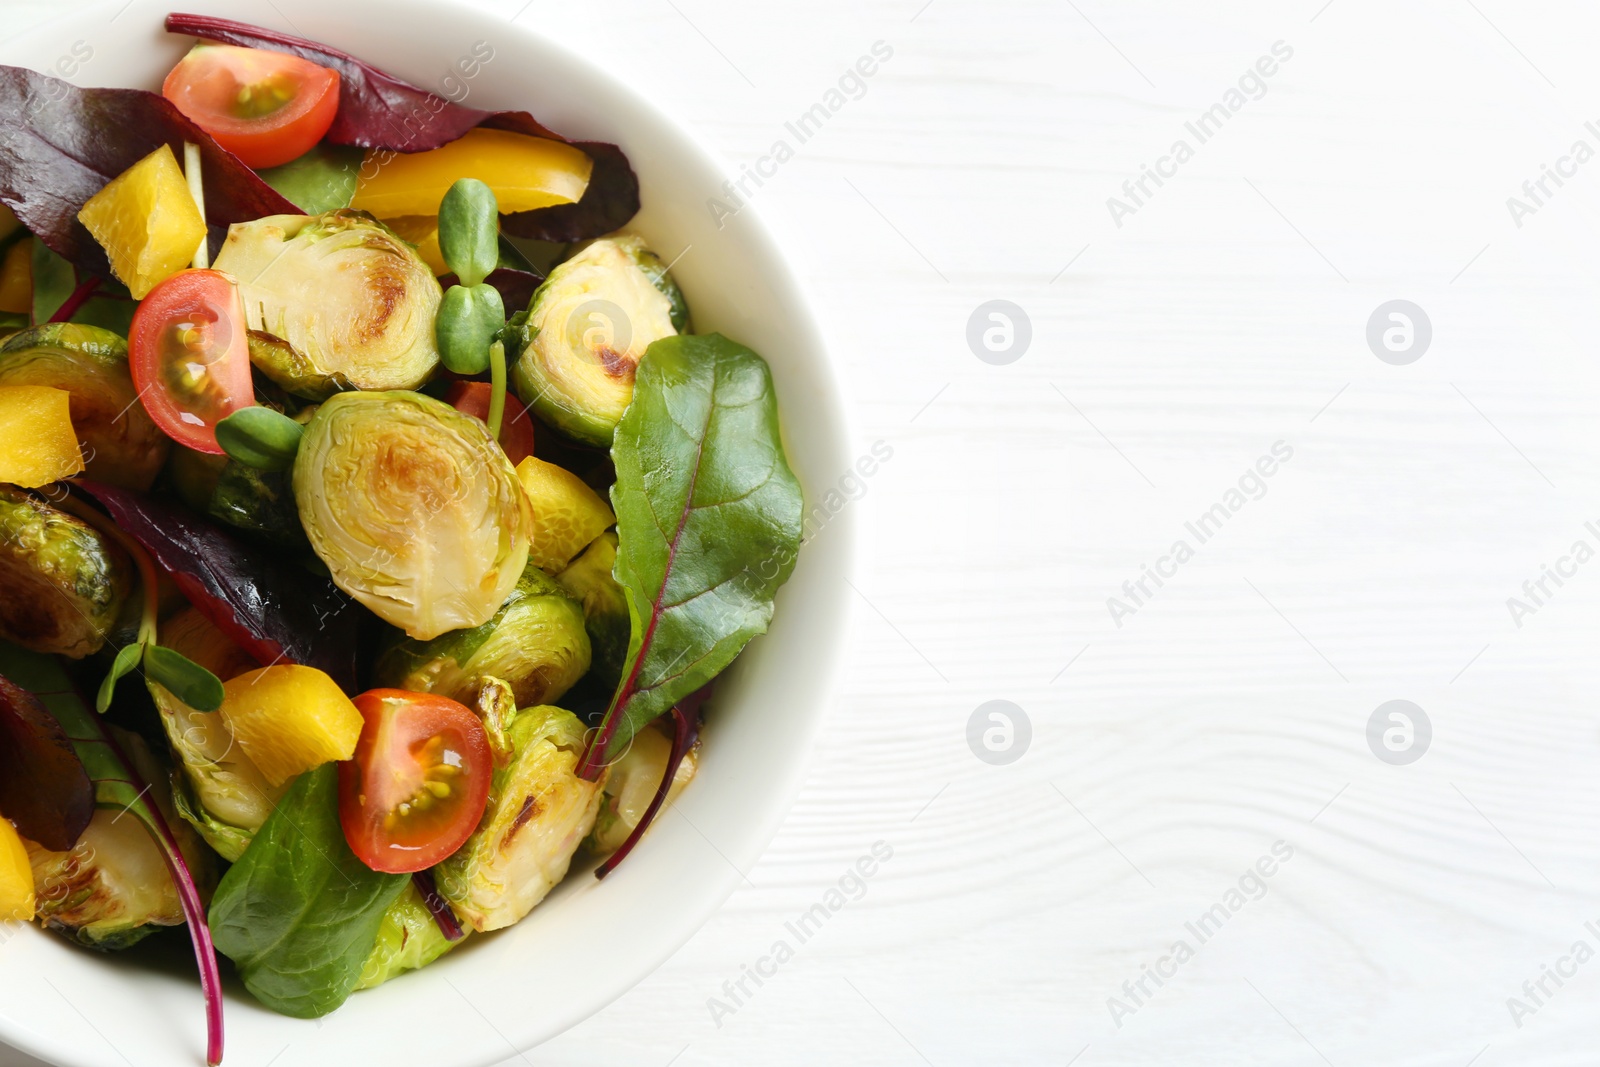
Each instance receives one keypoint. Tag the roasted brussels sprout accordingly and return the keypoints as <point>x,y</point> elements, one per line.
<point>225,839</point>
<point>605,607</point>
<point>632,785</point>
<point>121,446</point>
<point>113,888</point>
<point>63,584</point>
<point>414,509</point>
<point>539,812</point>
<point>261,502</point>
<point>223,795</point>
<point>334,301</point>
<point>536,643</point>
<point>587,328</point>
<point>654,268</point>
<point>409,938</point>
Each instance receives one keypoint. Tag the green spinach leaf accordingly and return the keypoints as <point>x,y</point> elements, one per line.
<point>53,282</point>
<point>708,523</point>
<point>299,913</point>
<point>324,179</point>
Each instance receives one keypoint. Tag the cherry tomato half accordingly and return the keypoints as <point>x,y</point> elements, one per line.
<point>190,356</point>
<point>418,783</point>
<point>516,428</point>
<point>265,107</point>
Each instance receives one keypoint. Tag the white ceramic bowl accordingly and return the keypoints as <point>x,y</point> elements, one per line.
<point>590,941</point>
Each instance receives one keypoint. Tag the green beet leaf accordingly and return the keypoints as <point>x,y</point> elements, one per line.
<point>299,913</point>
<point>708,523</point>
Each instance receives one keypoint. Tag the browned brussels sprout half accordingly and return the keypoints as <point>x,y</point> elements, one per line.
<point>586,330</point>
<point>414,509</point>
<point>345,303</point>
<point>539,812</point>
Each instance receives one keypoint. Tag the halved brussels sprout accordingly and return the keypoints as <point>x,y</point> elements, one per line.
<point>408,938</point>
<point>225,839</point>
<point>63,584</point>
<point>539,812</point>
<point>345,302</point>
<point>536,643</point>
<point>605,607</point>
<point>112,888</point>
<point>654,267</point>
<point>414,508</point>
<point>588,326</point>
<point>224,795</point>
<point>121,445</point>
<point>632,785</point>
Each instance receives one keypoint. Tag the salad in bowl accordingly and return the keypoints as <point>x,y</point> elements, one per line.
<point>374,523</point>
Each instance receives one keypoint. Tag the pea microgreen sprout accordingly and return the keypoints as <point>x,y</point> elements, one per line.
<point>260,437</point>
<point>186,679</point>
<point>473,313</point>
<point>469,318</point>
<point>469,231</point>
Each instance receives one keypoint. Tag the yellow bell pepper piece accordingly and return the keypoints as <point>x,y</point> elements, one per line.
<point>16,875</point>
<point>524,172</point>
<point>147,222</point>
<point>423,232</point>
<point>289,719</point>
<point>16,278</point>
<point>567,514</point>
<point>37,442</point>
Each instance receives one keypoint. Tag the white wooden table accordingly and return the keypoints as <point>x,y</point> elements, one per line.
<point>1229,710</point>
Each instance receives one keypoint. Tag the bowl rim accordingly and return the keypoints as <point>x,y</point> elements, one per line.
<point>781,784</point>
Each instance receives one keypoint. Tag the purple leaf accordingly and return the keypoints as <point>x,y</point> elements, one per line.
<point>685,727</point>
<point>59,145</point>
<point>43,786</point>
<point>275,611</point>
<point>379,111</point>
<point>443,915</point>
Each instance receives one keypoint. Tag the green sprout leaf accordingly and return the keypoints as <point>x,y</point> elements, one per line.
<point>183,677</point>
<point>260,437</point>
<point>127,659</point>
<point>469,319</point>
<point>469,231</point>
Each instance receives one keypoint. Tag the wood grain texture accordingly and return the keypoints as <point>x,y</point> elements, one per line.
<point>1229,712</point>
